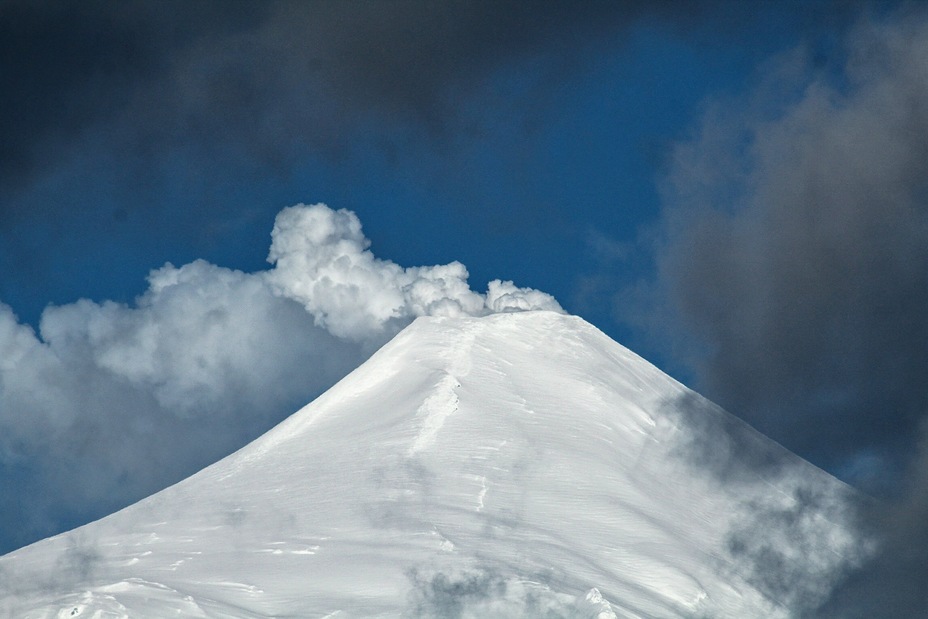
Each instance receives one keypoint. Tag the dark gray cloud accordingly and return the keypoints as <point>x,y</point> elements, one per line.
<point>794,264</point>
<point>67,66</point>
<point>165,129</point>
<point>261,81</point>
<point>892,583</point>
<point>156,124</point>
<point>795,249</point>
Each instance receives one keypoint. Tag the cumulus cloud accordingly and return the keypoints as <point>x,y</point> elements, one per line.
<point>322,260</point>
<point>794,262</point>
<point>109,402</point>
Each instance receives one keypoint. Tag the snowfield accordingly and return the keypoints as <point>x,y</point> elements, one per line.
<point>516,465</point>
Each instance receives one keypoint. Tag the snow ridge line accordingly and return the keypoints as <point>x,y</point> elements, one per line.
<point>443,401</point>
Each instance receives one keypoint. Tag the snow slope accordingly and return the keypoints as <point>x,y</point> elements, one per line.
<point>517,465</point>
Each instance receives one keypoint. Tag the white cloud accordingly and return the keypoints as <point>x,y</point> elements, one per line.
<point>112,401</point>
<point>507,297</point>
<point>322,260</point>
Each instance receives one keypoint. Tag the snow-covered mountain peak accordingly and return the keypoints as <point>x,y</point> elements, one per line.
<point>514,465</point>
<point>518,351</point>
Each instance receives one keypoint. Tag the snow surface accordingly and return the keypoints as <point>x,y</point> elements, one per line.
<point>516,465</point>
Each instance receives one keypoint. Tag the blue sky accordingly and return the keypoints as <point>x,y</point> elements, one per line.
<point>525,166</point>
<point>731,189</point>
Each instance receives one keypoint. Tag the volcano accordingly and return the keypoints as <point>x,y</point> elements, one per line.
<point>513,465</point>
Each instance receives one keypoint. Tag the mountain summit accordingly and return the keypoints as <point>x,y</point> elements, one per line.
<point>515,465</point>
